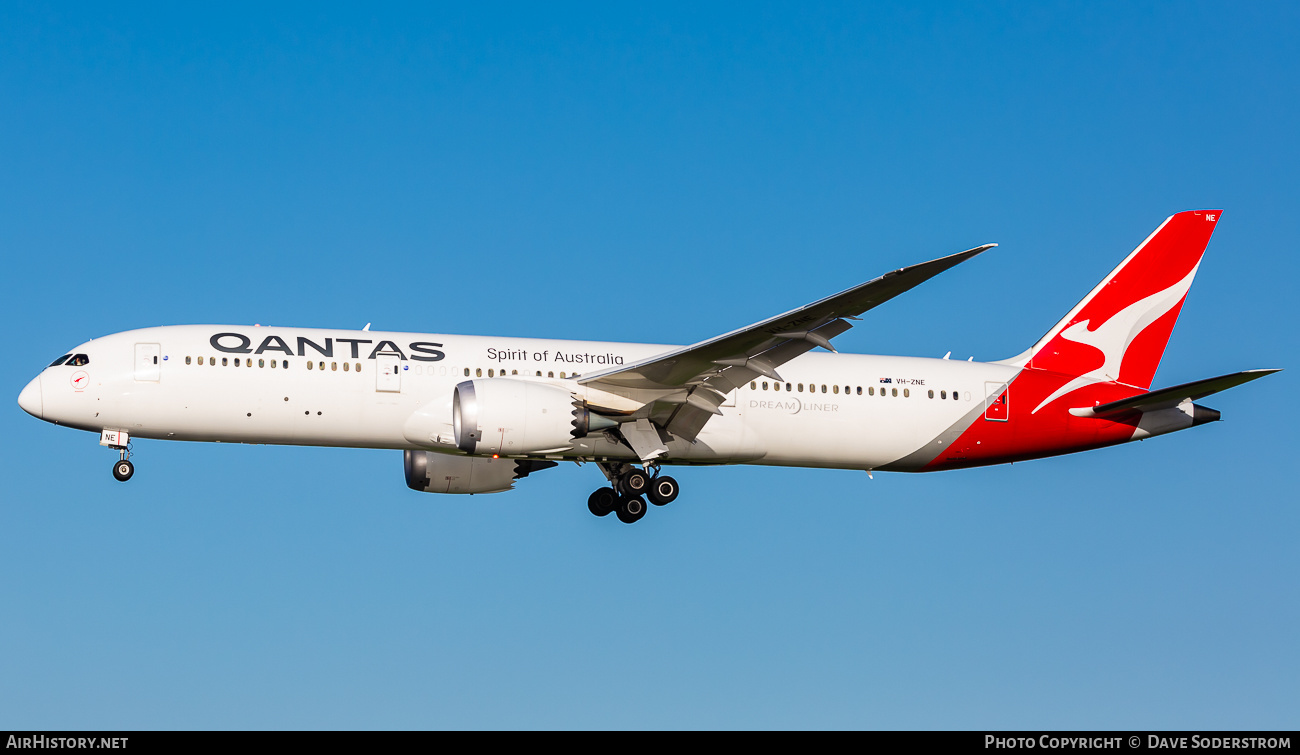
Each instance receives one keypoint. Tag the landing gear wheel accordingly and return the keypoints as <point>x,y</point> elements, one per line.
<point>663,490</point>
<point>631,509</point>
<point>634,482</point>
<point>123,470</point>
<point>602,501</point>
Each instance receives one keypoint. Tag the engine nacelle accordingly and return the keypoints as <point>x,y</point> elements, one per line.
<point>504,416</point>
<point>431,472</point>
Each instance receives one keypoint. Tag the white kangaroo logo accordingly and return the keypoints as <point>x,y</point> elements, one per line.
<point>1113,336</point>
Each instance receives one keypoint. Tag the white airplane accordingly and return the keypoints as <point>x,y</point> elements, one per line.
<point>475,414</point>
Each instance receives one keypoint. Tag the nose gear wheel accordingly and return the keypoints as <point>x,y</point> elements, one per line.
<point>123,468</point>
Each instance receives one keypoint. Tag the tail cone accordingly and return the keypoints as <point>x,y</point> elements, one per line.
<point>1203,414</point>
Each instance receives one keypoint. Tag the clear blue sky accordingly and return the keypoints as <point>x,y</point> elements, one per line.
<point>659,174</point>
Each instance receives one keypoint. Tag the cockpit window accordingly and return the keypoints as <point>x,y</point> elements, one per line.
<point>79,360</point>
<point>59,361</point>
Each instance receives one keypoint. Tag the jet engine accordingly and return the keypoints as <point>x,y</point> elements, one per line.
<point>431,472</point>
<point>504,416</point>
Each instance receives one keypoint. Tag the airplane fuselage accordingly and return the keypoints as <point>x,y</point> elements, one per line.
<point>314,387</point>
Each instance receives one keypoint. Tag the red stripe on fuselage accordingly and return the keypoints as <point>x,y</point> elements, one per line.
<point>1052,431</point>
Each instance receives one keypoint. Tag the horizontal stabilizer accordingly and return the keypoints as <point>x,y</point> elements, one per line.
<point>1170,397</point>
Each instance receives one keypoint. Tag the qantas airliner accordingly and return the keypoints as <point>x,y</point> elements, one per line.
<point>474,414</point>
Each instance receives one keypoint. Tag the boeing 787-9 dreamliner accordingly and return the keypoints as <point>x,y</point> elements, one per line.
<point>474,414</point>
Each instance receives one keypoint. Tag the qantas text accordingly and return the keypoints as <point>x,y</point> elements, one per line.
<point>238,343</point>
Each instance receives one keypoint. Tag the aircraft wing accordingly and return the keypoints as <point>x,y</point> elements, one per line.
<point>700,376</point>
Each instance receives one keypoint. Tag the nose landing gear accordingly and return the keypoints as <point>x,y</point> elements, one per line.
<point>123,469</point>
<point>120,441</point>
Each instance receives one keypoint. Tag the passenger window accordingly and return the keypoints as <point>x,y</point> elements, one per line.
<point>478,372</point>
<point>753,386</point>
<point>954,396</point>
<point>334,366</point>
<point>284,364</point>
<point>466,372</point>
<point>931,394</point>
<point>273,364</point>
<point>200,360</point>
<point>225,362</point>
<point>346,366</point>
<point>358,367</point>
<point>859,390</point>
<point>550,374</point>
<point>490,374</point>
<point>870,391</point>
<point>836,389</point>
<point>309,364</point>
<point>824,389</point>
<point>801,387</point>
<point>942,394</point>
<point>187,360</point>
<point>894,392</point>
<point>514,372</point>
<point>764,385</point>
<point>562,376</point>
<point>261,363</point>
<point>907,393</point>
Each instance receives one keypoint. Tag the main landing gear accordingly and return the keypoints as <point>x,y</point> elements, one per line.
<point>123,469</point>
<point>630,487</point>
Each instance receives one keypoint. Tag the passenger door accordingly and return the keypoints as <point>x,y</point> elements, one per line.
<point>388,373</point>
<point>146,362</point>
<point>996,406</point>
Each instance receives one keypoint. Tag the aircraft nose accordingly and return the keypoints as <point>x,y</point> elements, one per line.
<point>30,399</point>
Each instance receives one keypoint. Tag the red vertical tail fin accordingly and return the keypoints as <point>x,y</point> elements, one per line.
<point>1119,331</point>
